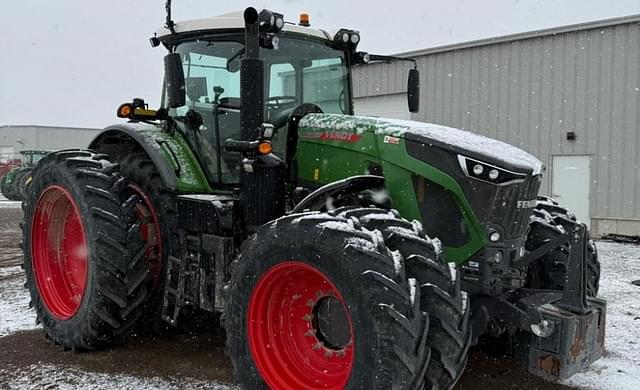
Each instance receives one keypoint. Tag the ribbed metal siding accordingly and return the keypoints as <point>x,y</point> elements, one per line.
<point>531,92</point>
<point>44,137</point>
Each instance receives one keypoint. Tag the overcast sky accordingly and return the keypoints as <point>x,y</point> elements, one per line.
<point>72,62</point>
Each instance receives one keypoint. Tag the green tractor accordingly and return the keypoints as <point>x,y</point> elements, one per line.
<point>13,183</point>
<point>255,193</point>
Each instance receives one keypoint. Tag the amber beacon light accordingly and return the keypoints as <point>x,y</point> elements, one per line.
<point>304,19</point>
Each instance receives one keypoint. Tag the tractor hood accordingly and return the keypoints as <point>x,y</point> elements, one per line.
<point>450,139</point>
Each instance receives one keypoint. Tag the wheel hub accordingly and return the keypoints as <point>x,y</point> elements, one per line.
<point>299,329</point>
<point>59,252</point>
<point>331,323</point>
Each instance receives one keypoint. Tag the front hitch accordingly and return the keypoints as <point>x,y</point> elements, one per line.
<point>580,320</point>
<point>557,333</point>
<point>574,295</point>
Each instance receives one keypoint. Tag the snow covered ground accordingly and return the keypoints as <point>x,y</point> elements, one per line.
<point>619,369</point>
<point>6,203</point>
<point>65,378</point>
<point>15,314</point>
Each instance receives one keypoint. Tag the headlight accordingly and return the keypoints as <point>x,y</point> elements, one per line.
<point>271,22</point>
<point>346,39</point>
<point>482,171</point>
<point>279,22</point>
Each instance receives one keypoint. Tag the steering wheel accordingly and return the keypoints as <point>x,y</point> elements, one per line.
<point>277,102</point>
<point>279,109</point>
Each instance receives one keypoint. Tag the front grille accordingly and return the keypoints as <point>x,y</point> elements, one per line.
<point>513,219</point>
<point>492,205</point>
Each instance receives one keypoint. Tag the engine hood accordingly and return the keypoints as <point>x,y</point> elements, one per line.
<point>454,140</point>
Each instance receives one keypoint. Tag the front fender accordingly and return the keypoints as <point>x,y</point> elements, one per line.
<point>170,153</point>
<point>350,185</point>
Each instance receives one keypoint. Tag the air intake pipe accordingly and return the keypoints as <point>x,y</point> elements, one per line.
<point>262,185</point>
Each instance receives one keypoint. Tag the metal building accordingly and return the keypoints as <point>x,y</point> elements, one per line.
<point>13,139</point>
<point>568,95</point>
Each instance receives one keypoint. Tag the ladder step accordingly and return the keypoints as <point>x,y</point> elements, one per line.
<point>181,276</point>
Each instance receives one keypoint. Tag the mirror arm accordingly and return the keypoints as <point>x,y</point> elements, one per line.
<point>377,57</point>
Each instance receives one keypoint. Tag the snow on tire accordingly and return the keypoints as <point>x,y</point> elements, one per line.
<point>449,336</point>
<point>318,302</point>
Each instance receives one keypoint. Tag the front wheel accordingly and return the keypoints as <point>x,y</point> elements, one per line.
<point>547,222</point>
<point>318,302</point>
<point>446,305</point>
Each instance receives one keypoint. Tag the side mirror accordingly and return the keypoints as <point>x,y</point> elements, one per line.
<point>174,80</point>
<point>413,90</point>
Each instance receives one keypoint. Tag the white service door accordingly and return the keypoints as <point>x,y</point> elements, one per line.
<point>386,106</point>
<point>570,184</point>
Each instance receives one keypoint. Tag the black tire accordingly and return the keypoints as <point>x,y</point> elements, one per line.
<point>23,182</point>
<point>10,183</point>
<point>547,222</point>
<point>142,172</point>
<point>114,291</point>
<point>389,330</point>
<point>10,194</point>
<point>449,332</point>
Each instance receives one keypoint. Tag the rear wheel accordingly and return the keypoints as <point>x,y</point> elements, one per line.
<point>547,222</point>
<point>158,207</point>
<point>318,302</point>
<point>82,250</point>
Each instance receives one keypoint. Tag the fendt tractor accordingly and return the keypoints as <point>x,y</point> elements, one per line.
<point>254,193</point>
<point>13,183</point>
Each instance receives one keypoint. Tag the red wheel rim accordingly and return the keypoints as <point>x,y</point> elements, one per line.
<point>150,231</point>
<point>59,252</point>
<point>286,336</point>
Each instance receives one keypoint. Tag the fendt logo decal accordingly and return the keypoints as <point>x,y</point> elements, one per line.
<point>341,136</point>
<point>526,204</point>
<point>391,140</point>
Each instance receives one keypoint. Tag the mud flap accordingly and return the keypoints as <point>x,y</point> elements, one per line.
<point>576,342</point>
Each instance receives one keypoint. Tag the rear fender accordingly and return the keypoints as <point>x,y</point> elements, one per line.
<point>170,153</point>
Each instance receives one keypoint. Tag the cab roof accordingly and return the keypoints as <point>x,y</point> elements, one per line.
<point>232,21</point>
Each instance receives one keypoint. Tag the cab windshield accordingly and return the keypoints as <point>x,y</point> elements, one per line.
<point>30,158</point>
<point>300,70</point>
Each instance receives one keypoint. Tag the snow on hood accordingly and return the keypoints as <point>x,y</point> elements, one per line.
<point>457,138</point>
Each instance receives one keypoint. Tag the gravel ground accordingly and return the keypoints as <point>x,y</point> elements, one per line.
<point>197,361</point>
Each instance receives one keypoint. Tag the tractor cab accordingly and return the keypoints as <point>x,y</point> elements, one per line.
<point>31,157</point>
<point>301,65</point>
